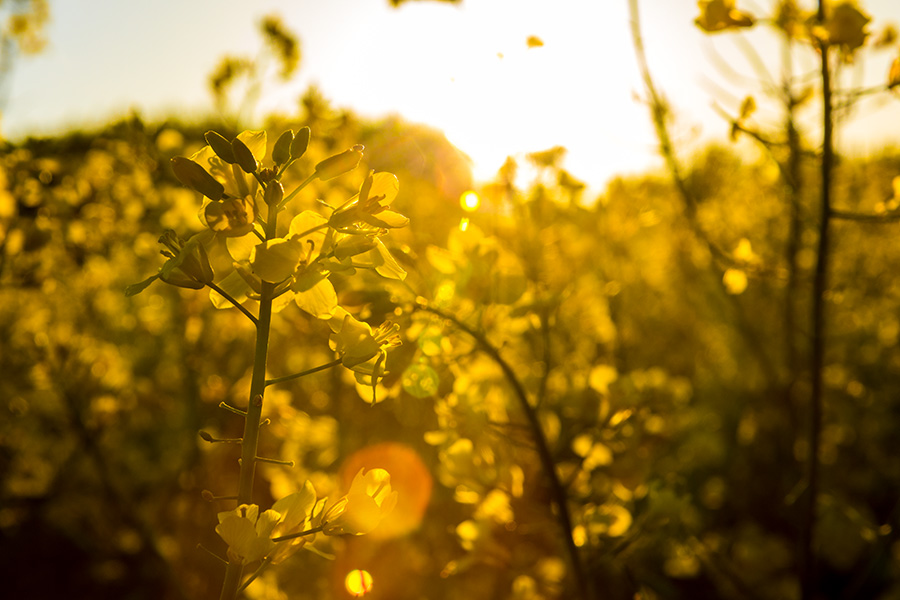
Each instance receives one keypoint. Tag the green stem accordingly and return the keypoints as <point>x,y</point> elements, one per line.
<point>236,304</point>
<point>254,414</point>
<point>312,230</point>
<point>292,536</point>
<point>262,567</point>
<point>333,363</point>
<point>290,196</point>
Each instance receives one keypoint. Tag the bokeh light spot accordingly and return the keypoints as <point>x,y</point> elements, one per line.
<point>469,201</point>
<point>358,583</point>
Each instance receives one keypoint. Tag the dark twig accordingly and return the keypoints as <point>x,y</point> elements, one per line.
<point>557,491</point>
<point>820,283</point>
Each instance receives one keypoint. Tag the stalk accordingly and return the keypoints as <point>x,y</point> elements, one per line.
<point>820,282</point>
<point>250,443</point>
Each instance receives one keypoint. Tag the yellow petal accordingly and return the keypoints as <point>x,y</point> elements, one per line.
<point>320,300</point>
<point>275,260</point>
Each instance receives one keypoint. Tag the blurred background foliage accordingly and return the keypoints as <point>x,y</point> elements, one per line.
<point>661,390</point>
<point>661,373</point>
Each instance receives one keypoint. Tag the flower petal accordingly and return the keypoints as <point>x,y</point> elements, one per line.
<point>320,300</point>
<point>275,260</point>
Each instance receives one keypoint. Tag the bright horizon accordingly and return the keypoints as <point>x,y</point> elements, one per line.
<point>466,70</point>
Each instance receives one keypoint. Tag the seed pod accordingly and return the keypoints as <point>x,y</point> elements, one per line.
<point>300,143</point>
<point>243,156</point>
<point>339,163</point>
<point>195,177</point>
<point>220,146</point>
<point>281,152</point>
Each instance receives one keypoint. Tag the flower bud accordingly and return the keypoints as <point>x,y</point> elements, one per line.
<point>281,152</point>
<point>189,265</point>
<point>243,156</point>
<point>352,245</point>
<point>300,143</point>
<point>274,193</point>
<point>339,163</point>
<point>221,146</point>
<point>195,177</point>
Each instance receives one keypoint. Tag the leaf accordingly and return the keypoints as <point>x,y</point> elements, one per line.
<point>136,288</point>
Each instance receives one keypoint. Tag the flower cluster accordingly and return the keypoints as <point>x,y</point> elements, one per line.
<point>289,525</point>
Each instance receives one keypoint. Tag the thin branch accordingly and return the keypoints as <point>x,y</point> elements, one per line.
<point>293,536</point>
<point>889,217</point>
<point>659,113</point>
<point>276,380</point>
<point>262,567</point>
<point>236,304</point>
<point>817,359</point>
<point>557,491</point>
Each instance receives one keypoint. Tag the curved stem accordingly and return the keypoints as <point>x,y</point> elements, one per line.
<point>284,378</point>
<point>557,491</point>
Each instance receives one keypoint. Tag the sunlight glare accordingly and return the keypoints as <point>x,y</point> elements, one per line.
<point>469,201</point>
<point>358,583</point>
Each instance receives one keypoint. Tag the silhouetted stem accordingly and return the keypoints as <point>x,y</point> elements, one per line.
<point>557,491</point>
<point>820,283</point>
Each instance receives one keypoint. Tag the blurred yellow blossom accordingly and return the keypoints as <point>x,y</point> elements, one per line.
<point>720,15</point>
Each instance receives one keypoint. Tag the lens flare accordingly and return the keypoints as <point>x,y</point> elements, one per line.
<point>469,201</point>
<point>358,583</point>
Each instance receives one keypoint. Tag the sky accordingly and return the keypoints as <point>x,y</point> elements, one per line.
<point>465,69</point>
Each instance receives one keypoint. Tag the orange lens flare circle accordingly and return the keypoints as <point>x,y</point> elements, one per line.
<point>409,477</point>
